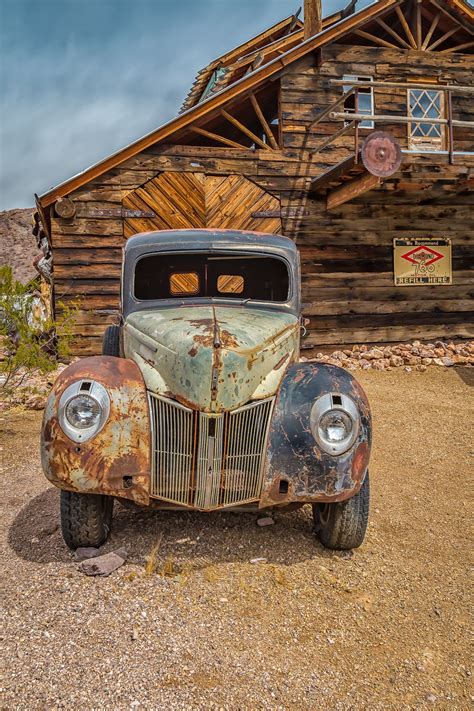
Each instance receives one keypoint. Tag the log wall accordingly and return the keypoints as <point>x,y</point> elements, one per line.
<point>346,253</point>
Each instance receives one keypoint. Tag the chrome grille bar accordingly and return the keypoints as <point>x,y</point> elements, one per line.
<point>172,450</point>
<point>208,461</point>
<point>247,431</point>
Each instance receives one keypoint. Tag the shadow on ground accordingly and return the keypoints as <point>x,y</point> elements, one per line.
<point>201,538</point>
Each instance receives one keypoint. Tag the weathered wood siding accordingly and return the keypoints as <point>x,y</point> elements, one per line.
<point>346,253</point>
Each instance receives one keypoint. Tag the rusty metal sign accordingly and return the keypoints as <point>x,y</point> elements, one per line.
<point>422,262</point>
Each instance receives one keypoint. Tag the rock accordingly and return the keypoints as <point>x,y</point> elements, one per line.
<point>412,360</point>
<point>104,564</point>
<point>265,521</point>
<point>86,553</point>
<point>438,352</point>
<point>379,364</point>
<point>438,361</point>
<point>258,560</point>
<point>427,361</point>
<point>431,698</point>
<point>421,367</point>
<point>407,369</point>
<point>134,635</point>
<point>396,361</point>
<point>340,355</point>
<point>448,362</point>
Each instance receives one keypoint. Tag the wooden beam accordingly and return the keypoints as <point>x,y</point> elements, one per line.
<point>392,32</point>
<point>334,174</point>
<point>352,189</point>
<point>459,47</point>
<point>375,39</point>
<point>263,121</point>
<point>429,34</point>
<point>442,39</point>
<point>216,137</point>
<point>313,18</point>
<point>462,21</point>
<point>406,27</point>
<point>245,130</point>
<point>332,137</point>
<point>419,37</point>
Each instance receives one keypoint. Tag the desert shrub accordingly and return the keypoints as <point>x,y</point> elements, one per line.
<point>30,341</point>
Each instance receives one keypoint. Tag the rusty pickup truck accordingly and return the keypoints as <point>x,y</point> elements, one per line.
<point>199,400</point>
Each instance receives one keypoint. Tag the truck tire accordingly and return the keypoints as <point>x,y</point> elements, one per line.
<point>342,526</point>
<point>86,519</point>
<point>111,341</point>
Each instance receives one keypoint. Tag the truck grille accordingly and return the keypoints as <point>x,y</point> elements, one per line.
<point>208,461</point>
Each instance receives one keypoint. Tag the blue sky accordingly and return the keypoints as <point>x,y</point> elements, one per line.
<point>79,79</point>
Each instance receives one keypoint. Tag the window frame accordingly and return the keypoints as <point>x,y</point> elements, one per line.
<point>369,124</point>
<point>436,143</point>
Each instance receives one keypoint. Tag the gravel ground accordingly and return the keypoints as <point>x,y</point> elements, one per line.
<point>189,623</point>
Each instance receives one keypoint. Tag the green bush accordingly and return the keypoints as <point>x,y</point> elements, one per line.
<point>30,344</point>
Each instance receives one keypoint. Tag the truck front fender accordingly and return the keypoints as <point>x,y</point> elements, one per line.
<point>297,469</point>
<point>116,461</point>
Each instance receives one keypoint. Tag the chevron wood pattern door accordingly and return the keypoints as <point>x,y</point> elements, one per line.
<point>193,200</point>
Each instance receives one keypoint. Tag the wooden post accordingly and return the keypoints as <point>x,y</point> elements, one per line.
<point>313,18</point>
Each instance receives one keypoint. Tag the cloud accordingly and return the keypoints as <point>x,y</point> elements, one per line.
<point>80,79</point>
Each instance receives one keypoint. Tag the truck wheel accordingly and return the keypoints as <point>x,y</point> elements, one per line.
<point>111,341</point>
<point>86,519</point>
<point>342,525</point>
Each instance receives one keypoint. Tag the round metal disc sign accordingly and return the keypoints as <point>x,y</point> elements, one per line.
<point>381,154</point>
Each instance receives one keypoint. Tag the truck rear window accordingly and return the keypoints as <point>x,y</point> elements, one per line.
<point>167,276</point>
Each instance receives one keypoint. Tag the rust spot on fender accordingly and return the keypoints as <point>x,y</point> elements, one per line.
<point>121,449</point>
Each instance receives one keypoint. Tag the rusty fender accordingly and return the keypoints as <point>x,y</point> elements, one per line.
<point>297,470</point>
<point>116,461</point>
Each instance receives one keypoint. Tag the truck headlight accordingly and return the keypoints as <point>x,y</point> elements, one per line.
<point>83,411</point>
<point>335,422</point>
<point>84,408</point>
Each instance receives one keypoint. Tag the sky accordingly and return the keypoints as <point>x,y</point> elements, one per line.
<point>80,79</point>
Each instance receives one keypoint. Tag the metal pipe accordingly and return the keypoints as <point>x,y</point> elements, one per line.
<point>450,126</point>
<point>384,118</point>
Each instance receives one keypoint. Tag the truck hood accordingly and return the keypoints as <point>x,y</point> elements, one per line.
<point>212,358</point>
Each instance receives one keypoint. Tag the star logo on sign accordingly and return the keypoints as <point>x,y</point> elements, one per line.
<point>428,255</point>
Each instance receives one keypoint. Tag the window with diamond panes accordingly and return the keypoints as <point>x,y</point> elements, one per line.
<point>426,104</point>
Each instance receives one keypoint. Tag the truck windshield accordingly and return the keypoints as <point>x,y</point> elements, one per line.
<point>238,276</point>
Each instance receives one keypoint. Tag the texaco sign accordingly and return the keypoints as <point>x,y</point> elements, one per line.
<point>422,262</point>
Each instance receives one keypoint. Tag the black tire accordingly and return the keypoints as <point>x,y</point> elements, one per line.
<point>86,519</point>
<point>111,341</point>
<point>342,526</point>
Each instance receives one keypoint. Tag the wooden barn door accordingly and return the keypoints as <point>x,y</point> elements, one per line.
<point>193,200</point>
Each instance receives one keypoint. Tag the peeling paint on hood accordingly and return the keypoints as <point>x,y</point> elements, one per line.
<point>212,358</point>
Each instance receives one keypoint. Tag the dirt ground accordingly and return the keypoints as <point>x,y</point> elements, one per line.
<point>197,626</point>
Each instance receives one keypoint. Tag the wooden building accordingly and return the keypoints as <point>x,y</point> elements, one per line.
<point>270,139</point>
